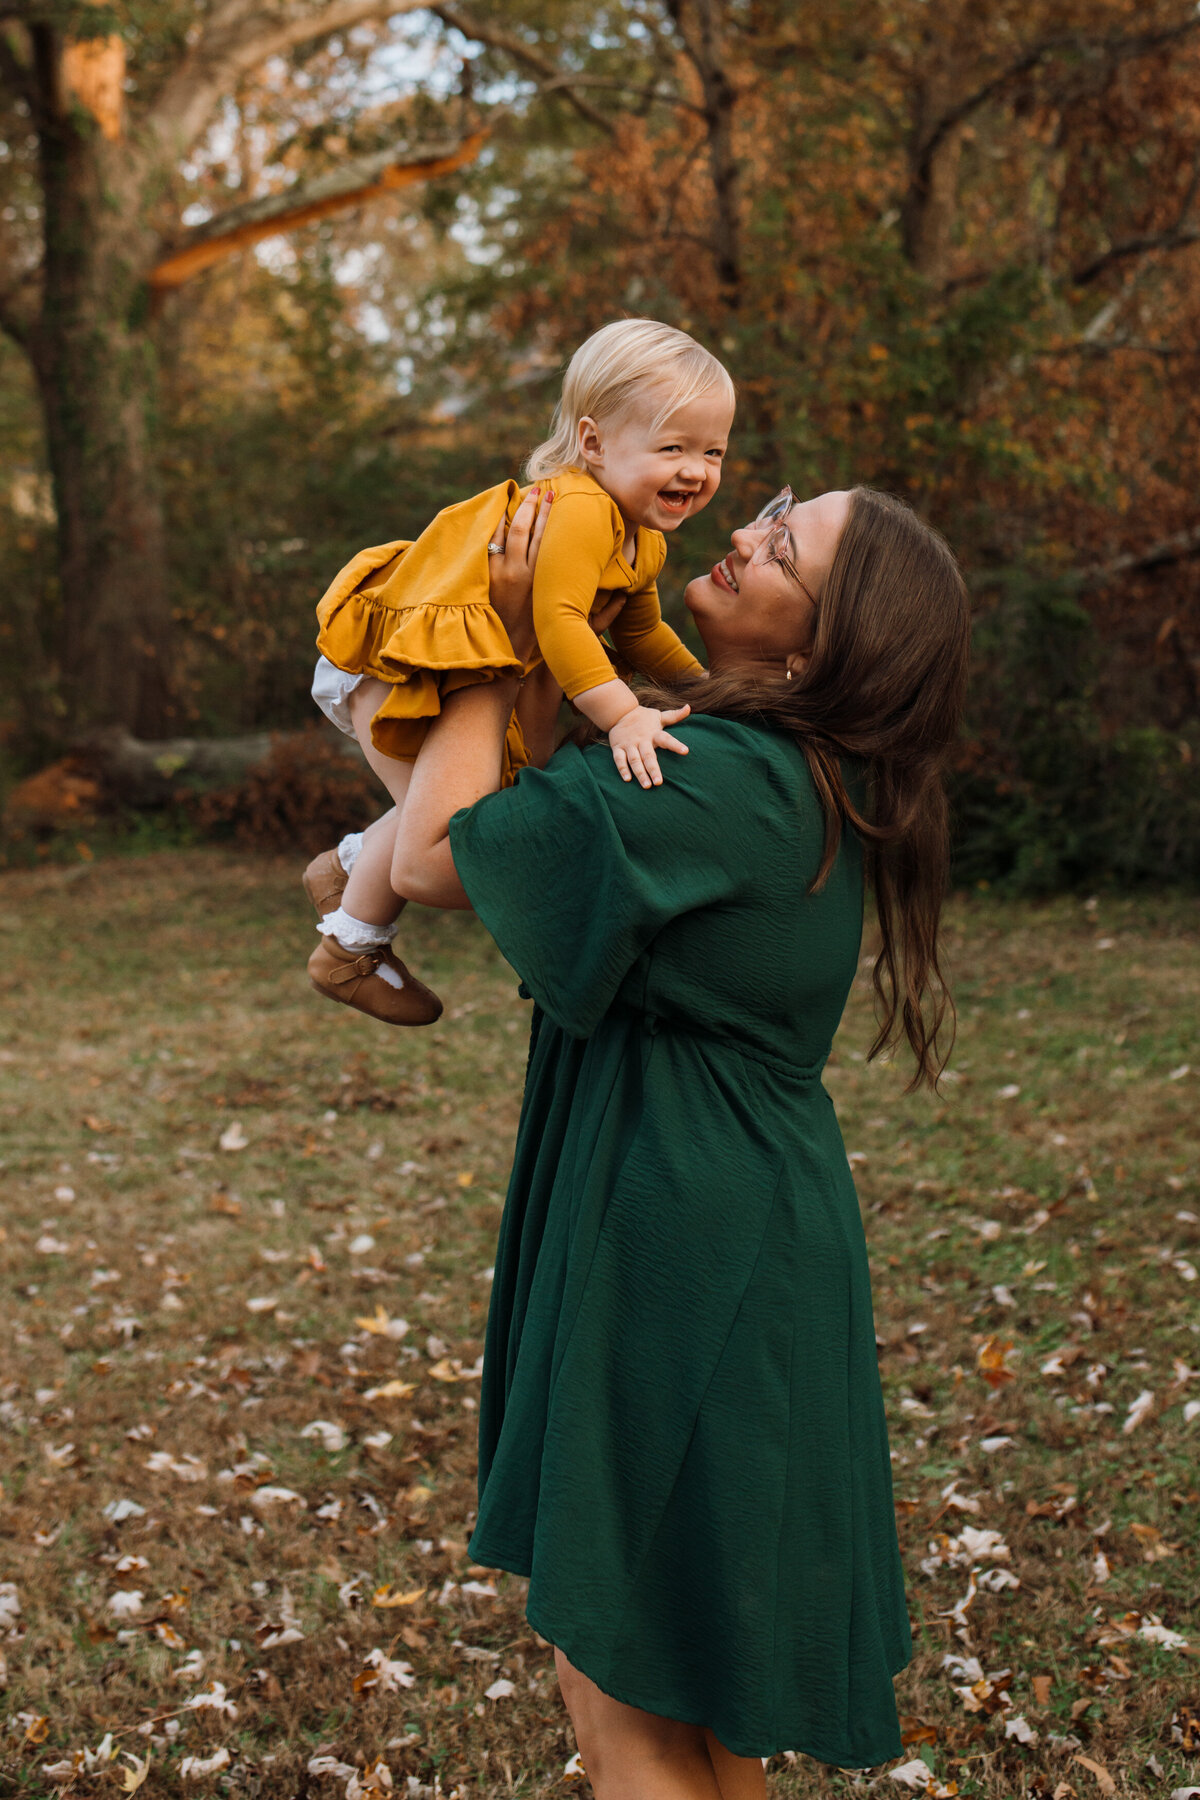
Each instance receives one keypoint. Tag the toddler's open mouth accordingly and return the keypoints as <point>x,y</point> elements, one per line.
<point>675,499</point>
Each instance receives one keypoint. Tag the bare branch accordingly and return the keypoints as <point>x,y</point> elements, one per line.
<point>1172,549</point>
<point>647,96</point>
<point>352,183</point>
<point>241,35</point>
<point>1126,49</point>
<point>1176,239</point>
<point>1085,346</point>
<point>551,76</point>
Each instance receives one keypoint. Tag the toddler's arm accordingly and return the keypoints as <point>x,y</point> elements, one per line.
<point>574,554</point>
<point>635,732</point>
<point>648,643</point>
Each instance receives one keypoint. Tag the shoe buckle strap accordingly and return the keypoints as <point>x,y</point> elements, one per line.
<point>366,964</point>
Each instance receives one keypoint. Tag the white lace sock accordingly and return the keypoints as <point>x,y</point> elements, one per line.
<point>355,934</point>
<point>349,848</point>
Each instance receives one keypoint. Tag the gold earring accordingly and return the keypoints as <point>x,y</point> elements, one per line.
<point>787,671</point>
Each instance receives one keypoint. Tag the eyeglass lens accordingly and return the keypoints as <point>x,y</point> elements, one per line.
<point>777,508</point>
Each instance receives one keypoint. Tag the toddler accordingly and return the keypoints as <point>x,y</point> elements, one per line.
<point>635,448</point>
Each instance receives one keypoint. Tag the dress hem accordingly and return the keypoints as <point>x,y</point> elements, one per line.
<point>514,1564</point>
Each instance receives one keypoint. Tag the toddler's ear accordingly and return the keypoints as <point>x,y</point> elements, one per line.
<point>589,442</point>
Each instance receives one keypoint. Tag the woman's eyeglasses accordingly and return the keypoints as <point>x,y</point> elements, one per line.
<point>777,546</point>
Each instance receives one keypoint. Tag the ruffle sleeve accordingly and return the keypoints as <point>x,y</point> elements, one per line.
<point>574,872</point>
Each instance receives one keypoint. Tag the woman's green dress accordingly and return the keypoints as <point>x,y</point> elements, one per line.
<point>682,1436</point>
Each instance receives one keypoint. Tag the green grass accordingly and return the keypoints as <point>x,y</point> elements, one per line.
<point>153,1004</point>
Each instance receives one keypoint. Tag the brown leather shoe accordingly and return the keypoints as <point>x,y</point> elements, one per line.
<point>325,882</point>
<point>353,978</point>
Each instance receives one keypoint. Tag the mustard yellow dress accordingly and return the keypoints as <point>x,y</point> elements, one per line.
<point>415,613</point>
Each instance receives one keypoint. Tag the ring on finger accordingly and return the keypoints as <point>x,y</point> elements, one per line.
<point>495,549</point>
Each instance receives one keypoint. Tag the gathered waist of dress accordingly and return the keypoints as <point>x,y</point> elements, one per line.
<point>655,1024</point>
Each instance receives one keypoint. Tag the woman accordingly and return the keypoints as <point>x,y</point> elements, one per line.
<point>682,1437</point>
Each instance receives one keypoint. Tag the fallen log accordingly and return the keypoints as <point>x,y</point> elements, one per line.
<point>109,770</point>
<point>133,772</point>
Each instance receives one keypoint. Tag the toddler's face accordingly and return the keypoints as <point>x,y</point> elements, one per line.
<point>663,476</point>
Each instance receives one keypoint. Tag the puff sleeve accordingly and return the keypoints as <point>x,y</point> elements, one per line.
<point>574,872</point>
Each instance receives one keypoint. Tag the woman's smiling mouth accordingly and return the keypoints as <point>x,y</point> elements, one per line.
<point>723,576</point>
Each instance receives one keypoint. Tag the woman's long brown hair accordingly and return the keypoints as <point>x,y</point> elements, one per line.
<point>883,692</point>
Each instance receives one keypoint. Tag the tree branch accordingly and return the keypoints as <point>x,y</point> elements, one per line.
<point>613,85</point>
<point>1176,239</point>
<point>1172,549</point>
<point>240,36</point>
<point>352,183</point>
<point>1117,49</point>
<point>496,38</point>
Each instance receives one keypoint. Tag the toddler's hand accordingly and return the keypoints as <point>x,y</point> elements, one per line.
<point>635,737</point>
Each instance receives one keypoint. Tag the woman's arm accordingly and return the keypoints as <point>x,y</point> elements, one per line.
<point>461,757</point>
<point>460,762</point>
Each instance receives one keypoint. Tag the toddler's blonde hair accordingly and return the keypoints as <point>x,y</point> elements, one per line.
<point>616,368</point>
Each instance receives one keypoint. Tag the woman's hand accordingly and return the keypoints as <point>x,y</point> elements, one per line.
<point>510,572</point>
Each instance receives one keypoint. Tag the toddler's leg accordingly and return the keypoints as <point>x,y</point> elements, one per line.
<point>369,893</point>
<point>353,962</point>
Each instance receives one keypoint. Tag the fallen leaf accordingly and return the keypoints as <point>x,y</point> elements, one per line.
<point>385,1597</point>
<point>135,1774</point>
<point>990,1361</point>
<point>374,1783</point>
<point>502,1689</point>
<point>1138,1410</point>
<point>1154,1545</point>
<point>194,1768</point>
<point>233,1137</point>
<point>1185,1728</point>
<point>391,1390</point>
<point>1158,1633</point>
<point>213,1699</point>
<point>912,1774</point>
<point>380,1325</point>
<point>1041,1685</point>
<point>445,1370</point>
<point>382,1675</point>
<point>1104,1780</point>
<point>332,1435</point>
<point>329,1765</point>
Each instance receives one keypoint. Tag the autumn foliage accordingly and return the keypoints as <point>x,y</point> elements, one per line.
<point>951,252</point>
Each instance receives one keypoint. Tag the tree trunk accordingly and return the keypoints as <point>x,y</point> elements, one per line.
<point>699,23</point>
<point>95,367</point>
<point>930,205</point>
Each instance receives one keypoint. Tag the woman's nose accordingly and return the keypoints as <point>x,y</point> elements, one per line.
<point>746,539</point>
